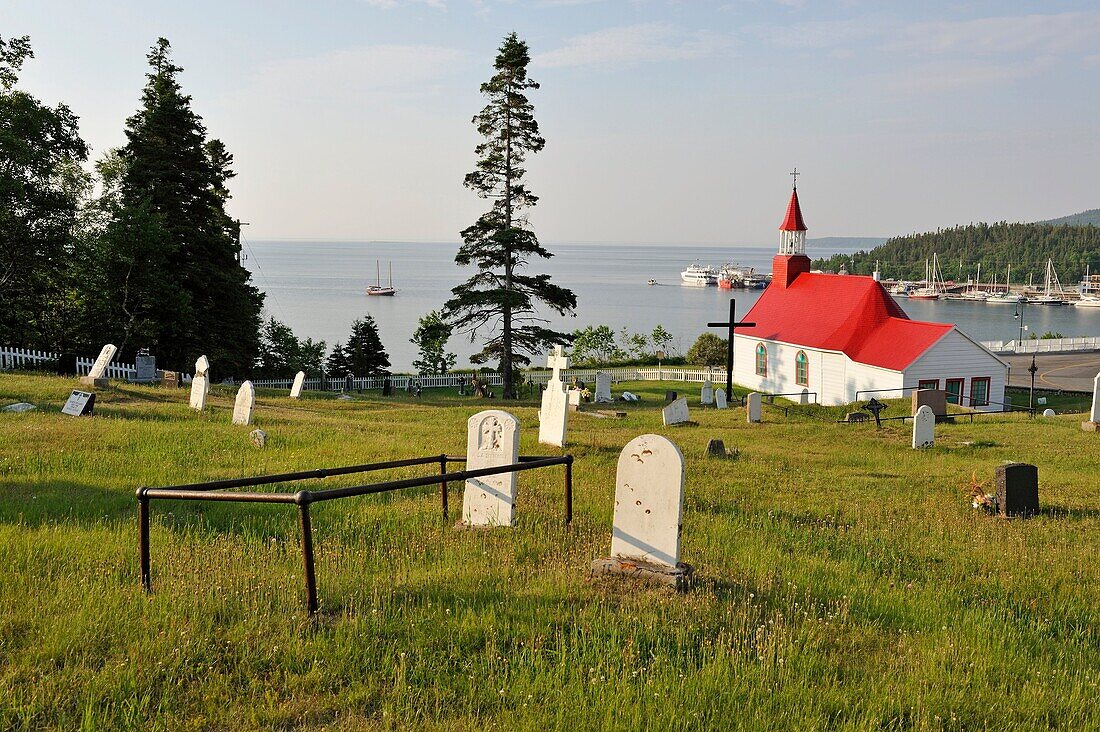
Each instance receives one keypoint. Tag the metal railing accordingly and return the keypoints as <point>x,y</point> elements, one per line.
<point>1045,345</point>
<point>304,499</point>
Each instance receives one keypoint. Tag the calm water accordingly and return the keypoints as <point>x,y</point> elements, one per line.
<point>318,288</point>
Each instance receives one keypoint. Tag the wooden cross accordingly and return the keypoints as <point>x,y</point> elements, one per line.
<point>731,324</point>
<point>557,361</point>
<point>794,174</point>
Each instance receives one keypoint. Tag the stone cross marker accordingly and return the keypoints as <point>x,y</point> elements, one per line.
<point>720,398</point>
<point>200,384</point>
<point>99,368</point>
<point>603,387</point>
<point>676,412</point>
<point>752,407</point>
<point>492,439</point>
<point>706,396</point>
<point>554,415</point>
<point>649,508</point>
<point>246,402</point>
<point>924,427</point>
<point>296,387</point>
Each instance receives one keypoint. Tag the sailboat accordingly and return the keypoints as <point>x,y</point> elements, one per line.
<point>376,288</point>
<point>1052,289</point>
<point>1008,297</point>
<point>933,288</point>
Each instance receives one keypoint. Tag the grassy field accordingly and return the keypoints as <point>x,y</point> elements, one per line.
<point>844,580</point>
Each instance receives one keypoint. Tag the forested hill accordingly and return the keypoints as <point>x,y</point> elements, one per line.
<point>1085,218</point>
<point>1025,247</point>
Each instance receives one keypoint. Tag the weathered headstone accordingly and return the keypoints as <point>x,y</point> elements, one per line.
<point>676,413</point>
<point>1093,425</point>
<point>934,399</point>
<point>574,399</point>
<point>670,396</point>
<point>603,387</point>
<point>80,403</point>
<point>95,377</point>
<point>19,407</point>
<point>296,387</point>
<point>706,395</point>
<point>924,427</point>
<point>200,383</point>
<point>716,448</point>
<point>554,415</point>
<point>492,439</point>
<point>387,387</point>
<point>720,398</point>
<point>244,404</point>
<point>1049,413</point>
<point>170,379</point>
<point>752,407</point>
<point>804,397</point>
<point>349,383</point>
<point>649,508</point>
<point>258,438</point>
<point>1017,489</point>
<point>145,367</point>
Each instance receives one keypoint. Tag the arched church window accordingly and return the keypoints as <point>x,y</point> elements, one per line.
<point>761,360</point>
<point>801,369</point>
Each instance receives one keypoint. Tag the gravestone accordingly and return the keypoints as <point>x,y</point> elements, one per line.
<point>145,367</point>
<point>676,413</point>
<point>1049,413</point>
<point>170,379</point>
<point>1017,490</point>
<point>19,408</point>
<point>349,382</point>
<point>924,427</point>
<point>258,438</point>
<point>80,403</point>
<point>296,387</point>
<point>706,395</point>
<point>804,398</point>
<point>720,398</point>
<point>492,439</point>
<point>752,407</point>
<point>717,448</point>
<point>574,399</point>
<point>66,364</point>
<point>554,415</point>
<point>603,387</point>
<point>244,404</point>
<point>670,396</point>
<point>1093,425</point>
<point>649,508</point>
<point>95,377</point>
<point>200,383</point>
<point>387,387</point>
<point>934,399</point>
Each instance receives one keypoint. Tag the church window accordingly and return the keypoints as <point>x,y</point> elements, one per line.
<point>979,391</point>
<point>801,369</point>
<point>761,360</point>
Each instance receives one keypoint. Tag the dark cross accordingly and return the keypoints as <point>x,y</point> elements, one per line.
<point>1031,397</point>
<point>795,174</point>
<point>729,346</point>
<point>874,407</point>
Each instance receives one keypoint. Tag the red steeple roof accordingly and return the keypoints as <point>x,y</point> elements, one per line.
<point>793,221</point>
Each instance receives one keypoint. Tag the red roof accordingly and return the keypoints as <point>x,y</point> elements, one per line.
<point>848,313</point>
<point>793,220</point>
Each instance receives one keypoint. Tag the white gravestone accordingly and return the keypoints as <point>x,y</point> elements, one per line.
<point>99,368</point>
<point>676,412</point>
<point>1095,417</point>
<point>649,509</point>
<point>706,396</point>
<point>79,404</point>
<point>492,439</point>
<point>245,403</point>
<point>753,407</point>
<point>804,397</point>
<point>554,416</point>
<point>200,384</point>
<point>603,387</point>
<point>1049,413</point>
<point>296,387</point>
<point>574,397</point>
<point>924,427</point>
<point>720,398</point>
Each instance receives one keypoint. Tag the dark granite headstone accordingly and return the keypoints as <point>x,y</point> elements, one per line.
<point>1017,489</point>
<point>670,396</point>
<point>387,387</point>
<point>145,366</point>
<point>716,448</point>
<point>349,383</point>
<point>66,364</point>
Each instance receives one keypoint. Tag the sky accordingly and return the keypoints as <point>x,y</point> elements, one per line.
<point>667,121</point>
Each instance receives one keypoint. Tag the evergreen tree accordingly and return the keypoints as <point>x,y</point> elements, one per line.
<point>430,337</point>
<point>41,185</point>
<point>500,298</point>
<point>283,355</point>
<point>337,365</point>
<point>365,354</point>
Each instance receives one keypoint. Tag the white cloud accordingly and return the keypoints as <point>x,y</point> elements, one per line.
<point>1057,33</point>
<point>631,44</point>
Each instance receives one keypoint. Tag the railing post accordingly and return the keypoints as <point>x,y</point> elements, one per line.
<point>307,552</point>
<point>143,540</point>
<point>569,492</point>
<point>443,485</point>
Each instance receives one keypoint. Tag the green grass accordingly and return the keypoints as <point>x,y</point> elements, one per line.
<point>844,580</point>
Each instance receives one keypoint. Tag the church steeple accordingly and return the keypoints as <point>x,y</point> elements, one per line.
<point>792,232</point>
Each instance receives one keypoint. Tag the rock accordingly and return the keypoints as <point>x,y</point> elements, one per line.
<point>259,438</point>
<point>18,407</point>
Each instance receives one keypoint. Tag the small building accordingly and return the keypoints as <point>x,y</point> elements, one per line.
<point>839,339</point>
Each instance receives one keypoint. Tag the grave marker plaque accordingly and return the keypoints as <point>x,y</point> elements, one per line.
<point>80,403</point>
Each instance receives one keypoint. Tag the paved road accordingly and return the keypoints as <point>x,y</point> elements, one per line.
<point>1074,371</point>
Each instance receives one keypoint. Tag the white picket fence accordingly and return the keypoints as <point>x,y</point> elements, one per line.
<point>23,357</point>
<point>1045,345</point>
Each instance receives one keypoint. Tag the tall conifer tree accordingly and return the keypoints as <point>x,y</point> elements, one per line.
<point>500,297</point>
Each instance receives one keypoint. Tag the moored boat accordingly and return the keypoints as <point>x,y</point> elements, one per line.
<point>697,275</point>
<point>377,288</point>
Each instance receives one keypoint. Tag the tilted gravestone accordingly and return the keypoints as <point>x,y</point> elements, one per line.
<point>676,413</point>
<point>244,404</point>
<point>1017,490</point>
<point>720,398</point>
<point>752,407</point>
<point>1093,425</point>
<point>296,387</point>
<point>649,508</point>
<point>492,439</point>
<point>924,427</point>
<point>80,403</point>
<point>934,399</point>
<point>200,383</point>
<point>96,377</point>
<point>554,415</point>
<point>603,387</point>
<point>706,395</point>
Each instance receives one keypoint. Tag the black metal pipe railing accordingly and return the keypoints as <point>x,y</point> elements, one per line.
<point>304,499</point>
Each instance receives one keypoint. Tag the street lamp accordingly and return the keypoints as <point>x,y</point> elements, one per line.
<point>1019,315</point>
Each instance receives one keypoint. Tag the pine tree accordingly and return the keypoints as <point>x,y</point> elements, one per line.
<point>500,297</point>
<point>337,366</point>
<point>365,354</point>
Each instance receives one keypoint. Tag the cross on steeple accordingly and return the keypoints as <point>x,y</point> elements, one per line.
<point>730,325</point>
<point>794,174</point>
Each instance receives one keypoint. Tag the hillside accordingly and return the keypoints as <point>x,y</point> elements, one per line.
<point>1025,247</point>
<point>1085,218</point>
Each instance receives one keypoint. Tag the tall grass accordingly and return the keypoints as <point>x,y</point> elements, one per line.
<point>845,583</point>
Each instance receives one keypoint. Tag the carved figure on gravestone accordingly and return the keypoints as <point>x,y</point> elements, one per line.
<point>490,434</point>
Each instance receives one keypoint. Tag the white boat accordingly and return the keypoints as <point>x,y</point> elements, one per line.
<point>901,288</point>
<point>1088,301</point>
<point>377,288</point>
<point>933,288</point>
<point>651,283</point>
<point>1008,297</point>
<point>696,275</point>
<point>1052,289</point>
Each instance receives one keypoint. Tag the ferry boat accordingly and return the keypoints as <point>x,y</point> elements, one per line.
<point>377,288</point>
<point>696,275</point>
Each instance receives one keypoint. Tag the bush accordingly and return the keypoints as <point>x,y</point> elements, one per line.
<point>708,350</point>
